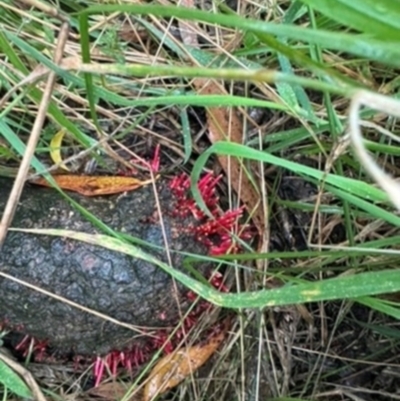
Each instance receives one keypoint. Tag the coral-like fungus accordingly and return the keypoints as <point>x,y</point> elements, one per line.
<point>162,339</point>
<point>216,233</point>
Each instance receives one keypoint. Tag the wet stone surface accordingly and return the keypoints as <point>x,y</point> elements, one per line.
<point>122,287</point>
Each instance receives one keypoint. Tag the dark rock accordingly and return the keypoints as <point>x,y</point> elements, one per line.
<point>124,288</point>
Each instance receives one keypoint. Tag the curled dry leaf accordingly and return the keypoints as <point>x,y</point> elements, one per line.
<point>94,185</point>
<point>111,391</point>
<point>174,368</point>
<point>225,125</point>
<point>55,149</point>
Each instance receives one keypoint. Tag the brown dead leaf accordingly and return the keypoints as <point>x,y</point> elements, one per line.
<point>94,185</point>
<point>112,391</point>
<point>225,125</point>
<point>174,368</point>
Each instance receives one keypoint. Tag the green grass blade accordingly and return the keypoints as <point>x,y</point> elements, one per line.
<point>384,52</point>
<point>356,187</point>
<point>380,18</point>
<point>13,382</point>
<point>372,210</point>
<point>381,305</point>
<point>344,287</point>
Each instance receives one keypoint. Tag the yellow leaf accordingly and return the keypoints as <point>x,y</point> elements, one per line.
<point>94,185</point>
<point>55,149</point>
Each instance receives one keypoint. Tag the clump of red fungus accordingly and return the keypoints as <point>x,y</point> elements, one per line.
<point>217,233</point>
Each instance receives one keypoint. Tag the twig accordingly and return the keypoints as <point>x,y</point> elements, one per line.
<point>33,139</point>
<point>52,11</point>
